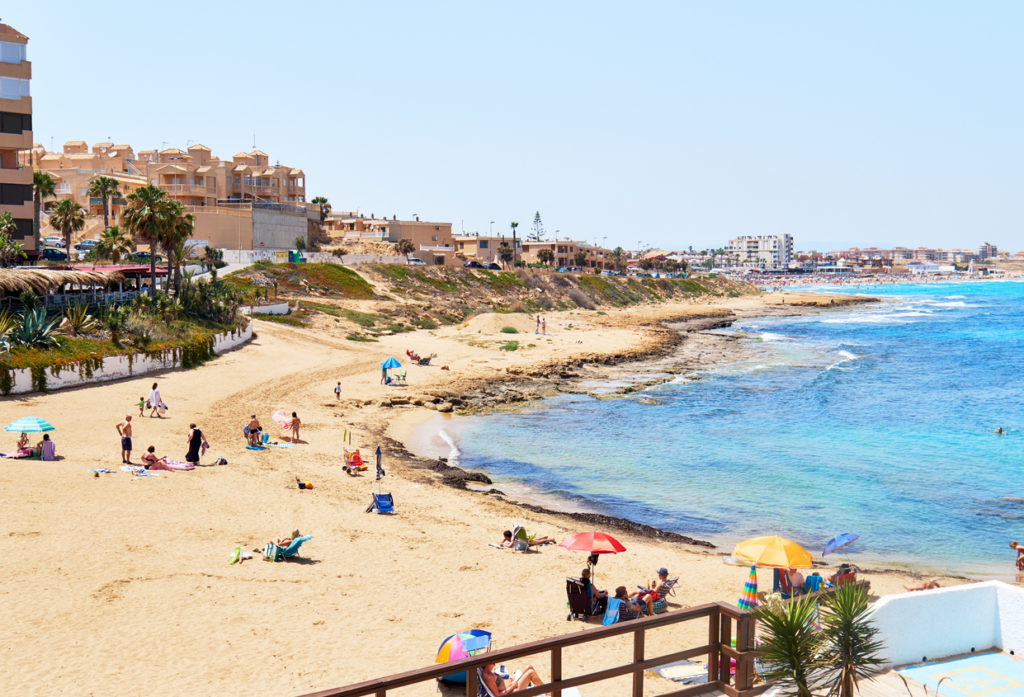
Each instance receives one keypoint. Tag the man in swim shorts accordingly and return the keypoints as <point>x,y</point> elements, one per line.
<point>124,429</point>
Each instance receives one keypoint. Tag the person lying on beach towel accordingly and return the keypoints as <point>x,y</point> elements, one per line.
<point>924,585</point>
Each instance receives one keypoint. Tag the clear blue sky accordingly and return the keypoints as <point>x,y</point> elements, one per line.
<point>671,124</point>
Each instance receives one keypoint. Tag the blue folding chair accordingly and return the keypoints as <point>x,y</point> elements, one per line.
<point>382,503</point>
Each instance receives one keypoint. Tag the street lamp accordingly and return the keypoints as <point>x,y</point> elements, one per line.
<point>491,231</point>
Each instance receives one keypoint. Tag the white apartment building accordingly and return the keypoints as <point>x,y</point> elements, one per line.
<point>761,251</point>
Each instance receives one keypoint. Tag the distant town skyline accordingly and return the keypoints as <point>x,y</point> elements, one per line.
<point>659,125</point>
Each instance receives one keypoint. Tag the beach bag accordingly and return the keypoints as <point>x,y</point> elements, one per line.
<point>272,552</point>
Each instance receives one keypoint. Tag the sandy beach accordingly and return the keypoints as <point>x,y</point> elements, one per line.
<point>120,585</point>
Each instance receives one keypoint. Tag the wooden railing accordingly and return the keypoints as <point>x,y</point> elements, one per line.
<point>724,622</point>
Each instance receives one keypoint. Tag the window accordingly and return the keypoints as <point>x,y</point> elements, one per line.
<point>11,52</point>
<point>15,194</point>
<point>13,88</point>
<point>15,123</point>
<point>483,244</point>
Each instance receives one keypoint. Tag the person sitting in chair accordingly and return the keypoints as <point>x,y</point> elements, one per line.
<point>591,591</point>
<point>634,602</point>
<point>508,542</point>
<point>520,680</point>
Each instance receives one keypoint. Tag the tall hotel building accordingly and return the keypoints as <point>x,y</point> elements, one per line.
<point>15,133</point>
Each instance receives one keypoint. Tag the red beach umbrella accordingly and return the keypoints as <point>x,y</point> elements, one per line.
<point>593,542</point>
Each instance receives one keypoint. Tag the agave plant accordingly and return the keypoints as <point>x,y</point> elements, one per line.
<point>29,300</point>
<point>77,320</point>
<point>851,640</point>
<point>113,321</point>
<point>35,329</point>
<point>791,646</point>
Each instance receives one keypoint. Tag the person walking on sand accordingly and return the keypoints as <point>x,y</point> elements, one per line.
<point>294,425</point>
<point>383,375</point>
<point>124,429</point>
<point>544,326</point>
<point>196,440</point>
<point>536,329</point>
<point>154,402</point>
<point>337,391</point>
<point>142,406</point>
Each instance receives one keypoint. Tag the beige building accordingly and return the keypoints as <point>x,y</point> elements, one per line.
<point>16,134</point>
<point>194,176</point>
<point>594,258</point>
<point>484,248</point>
<point>433,241</point>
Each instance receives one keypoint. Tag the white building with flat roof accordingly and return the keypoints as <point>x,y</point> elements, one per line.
<point>762,251</point>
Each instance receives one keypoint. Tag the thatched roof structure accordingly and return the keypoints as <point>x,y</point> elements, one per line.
<point>41,280</point>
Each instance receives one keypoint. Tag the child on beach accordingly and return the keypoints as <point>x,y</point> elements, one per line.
<point>142,406</point>
<point>294,425</point>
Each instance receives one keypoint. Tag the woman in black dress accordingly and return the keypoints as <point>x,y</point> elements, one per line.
<point>195,440</point>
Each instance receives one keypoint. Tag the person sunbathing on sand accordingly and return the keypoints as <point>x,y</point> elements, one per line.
<point>508,542</point>
<point>151,462</point>
<point>285,541</point>
<point>23,442</point>
<point>520,680</point>
<point>923,586</point>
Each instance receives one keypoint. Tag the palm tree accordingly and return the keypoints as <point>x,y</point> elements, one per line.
<point>113,244</point>
<point>10,251</point>
<point>325,207</point>
<point>68,217</point>
<point>406,247</point>
<point>545,256</point>
<point>146,215</point>
<point>105,188</point>
<point>174,239</point>
<point>514,225</point>
<point>43,186</point>
<point>851,643</point>
<point>617,256</point>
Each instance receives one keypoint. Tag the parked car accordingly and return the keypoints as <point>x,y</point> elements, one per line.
<point>86,245</point>
<point>143,258</point>
<point>51,254</point>
<point>413,261</point>
<point>494,266</point>
<point>53,241</point>
<point>473,265</point>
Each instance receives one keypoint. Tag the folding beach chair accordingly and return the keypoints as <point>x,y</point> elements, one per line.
<point>664,590</point>
<point>482,691</point>
<point>520,540</point>
<point>382,503</point>
<point>579,601</point>
<point>271,552</point>
<point>611,613</point>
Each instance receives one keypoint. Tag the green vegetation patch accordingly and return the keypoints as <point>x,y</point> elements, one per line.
<point>509,330</point>
<point>509,346</point>
<point>292,320</point>
<point>331,278</point>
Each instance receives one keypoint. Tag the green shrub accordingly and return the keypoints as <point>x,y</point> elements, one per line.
<point>509,346</point>
<point>509,330</point>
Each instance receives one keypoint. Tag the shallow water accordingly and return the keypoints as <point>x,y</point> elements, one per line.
<point>876,420</point>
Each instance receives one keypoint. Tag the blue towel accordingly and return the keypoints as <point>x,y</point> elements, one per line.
<point>812,584</point>
<point>611,615</point>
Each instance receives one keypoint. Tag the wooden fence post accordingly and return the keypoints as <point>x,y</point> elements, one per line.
<point>724,639</point>
<point>556,669</point>
<point>638,657</point>
<point>713,652</point>
<point>745,643</point>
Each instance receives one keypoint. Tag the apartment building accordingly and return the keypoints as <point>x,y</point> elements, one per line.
<point>987,251</point>
<point>433,240</point>
<point>16,134</point>
<point>194,176</point>
<point>484,248</point>
<point>565,251</point>
<point>762,251</point>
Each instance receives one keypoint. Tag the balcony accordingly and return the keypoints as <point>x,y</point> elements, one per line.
<point>188,189</point>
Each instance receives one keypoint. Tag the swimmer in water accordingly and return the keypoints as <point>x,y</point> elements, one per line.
<point>998,430</point>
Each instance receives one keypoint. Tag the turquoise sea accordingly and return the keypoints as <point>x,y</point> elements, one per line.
<point>875,420</point>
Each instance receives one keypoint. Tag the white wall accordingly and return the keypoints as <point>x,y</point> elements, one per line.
<point>117,367</point>
<point>948,621</point>
<point>272,309</point>
<point>277,229</point>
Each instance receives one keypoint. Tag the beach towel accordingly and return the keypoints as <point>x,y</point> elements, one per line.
<point>179,465</point>
<point>254,447</point>
<point>139,471</point>
<point>611,614</point>
<point>19,454</point>
<point>281,445</point>
<point>103,470</point>
<point>812,584</point>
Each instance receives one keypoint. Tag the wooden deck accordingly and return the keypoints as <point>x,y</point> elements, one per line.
<point>888,684</point>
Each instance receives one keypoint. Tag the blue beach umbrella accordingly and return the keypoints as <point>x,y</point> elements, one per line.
<point>390,363</point>
<point>28,424</point>
<point>839,541</point>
